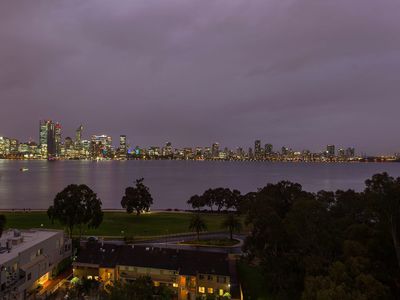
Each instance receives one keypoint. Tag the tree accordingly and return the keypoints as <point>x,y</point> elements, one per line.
<point>137,198</point>
<point>76,205</point>
<point>384,194</point>
<point>232,223</point>
<point>2,224</point>
<point>197,224</point>
<point>196,202</point>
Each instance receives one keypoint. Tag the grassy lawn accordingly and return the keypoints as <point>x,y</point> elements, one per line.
<point>253,282</point>
<point>213,242</point>
<point>159,223</point>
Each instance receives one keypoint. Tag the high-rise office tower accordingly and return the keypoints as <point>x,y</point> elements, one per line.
<point>47,138</point>
<point>43,134</point>
<point>51,140</point>
<point>123,150</point>
<point>57,136</point>
<point>285,150</point>
<point>215,150</point>
<point>330,150</point>
<point>350,152</point>
<point>78,134</point>
<point>257,149</point>
<point>78,138</point>
<point>268,149</point>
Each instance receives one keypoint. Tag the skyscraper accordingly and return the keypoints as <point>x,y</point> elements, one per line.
<point>51,140</point>
<point>43,136</point>
<point>215,150</point>
<point>47,138</point>
<point>257,149</point>
<point>123,150</point>
<point>78,139</point>
<point>268,149</point>
<point>330,150</point>
<point>57,136</point>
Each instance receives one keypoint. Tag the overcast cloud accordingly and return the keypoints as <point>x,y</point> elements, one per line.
<point>301,73</point>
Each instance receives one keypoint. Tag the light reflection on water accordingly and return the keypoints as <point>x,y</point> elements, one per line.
<point>171,182</point>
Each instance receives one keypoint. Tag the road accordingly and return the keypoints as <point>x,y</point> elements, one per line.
<point>174,243</point>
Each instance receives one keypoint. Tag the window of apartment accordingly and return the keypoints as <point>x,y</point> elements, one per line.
<point>210,290</point>
<point>201,277</point>
<point>90,277</point>
<point>221,279</point>
<point>210,278</point>
<point>221,292</point>
<point>202,289</point>
<point>175,285</point>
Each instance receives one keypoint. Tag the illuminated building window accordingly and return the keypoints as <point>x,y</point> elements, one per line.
<point>156,283</point>
<point>96,277</point>
<point>210,290</point>
<point>221,292</point>
<point>175,285</point>
<point>202,289</point>
<point>90,277</point>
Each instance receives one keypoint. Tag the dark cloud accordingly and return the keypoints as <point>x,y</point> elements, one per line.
<point>302,73</point>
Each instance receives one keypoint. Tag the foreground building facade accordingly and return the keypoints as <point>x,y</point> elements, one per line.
<point>190,274</point>
<point>28,259</point>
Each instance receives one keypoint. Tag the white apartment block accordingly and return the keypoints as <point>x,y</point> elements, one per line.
<point>28,259</point>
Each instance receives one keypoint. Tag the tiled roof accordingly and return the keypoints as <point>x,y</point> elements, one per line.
<point>186,262</point>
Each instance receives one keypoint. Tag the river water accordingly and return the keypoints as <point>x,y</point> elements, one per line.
<point>171,182</point>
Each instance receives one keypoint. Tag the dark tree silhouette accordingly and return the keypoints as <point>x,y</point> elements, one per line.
<point>232,223</point>
<point>137,198</point>
<point>384,193</point>
<point>76,206</point>
<point>196,202</point>
<point>197,224</point>
<point>2,224</point>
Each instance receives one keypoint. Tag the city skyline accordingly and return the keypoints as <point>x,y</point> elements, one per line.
<point>53,145</point>
<point>51,137</point>
<point>301,72</point>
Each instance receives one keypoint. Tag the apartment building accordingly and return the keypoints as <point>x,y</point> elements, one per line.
<point>191,274</point>
<point>28,259</point>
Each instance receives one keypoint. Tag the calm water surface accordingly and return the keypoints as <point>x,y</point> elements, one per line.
<point>171,182</point>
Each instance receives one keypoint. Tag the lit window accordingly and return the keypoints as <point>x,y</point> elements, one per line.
<point>96,277</point>
<point>210,290</point>
<point>156,283</point>
<point>90,277</point>
<point>175,285</point>
<point>221,292</point>
<point>202,289</point>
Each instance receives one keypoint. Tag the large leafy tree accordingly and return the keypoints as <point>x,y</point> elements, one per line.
<point>384,193</point>
<point>197,224</point>
<point>137,198</point>
<point>328,245</point>
<point>219,197</point>
<point>76,206</point>
<point>2,224</point>
<point>232,223</point>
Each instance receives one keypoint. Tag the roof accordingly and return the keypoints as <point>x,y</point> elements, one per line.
<point>188,262</point>
<point>22,241</point>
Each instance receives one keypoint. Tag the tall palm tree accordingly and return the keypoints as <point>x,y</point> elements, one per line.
<point>2,224</point>
<point>232,223</point>
<point>197,224</point>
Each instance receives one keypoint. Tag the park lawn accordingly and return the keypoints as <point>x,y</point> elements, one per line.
<point>120,223</point>
<point>253,282</point>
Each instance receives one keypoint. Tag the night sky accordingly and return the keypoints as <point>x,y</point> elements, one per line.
<point>300,73</point>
